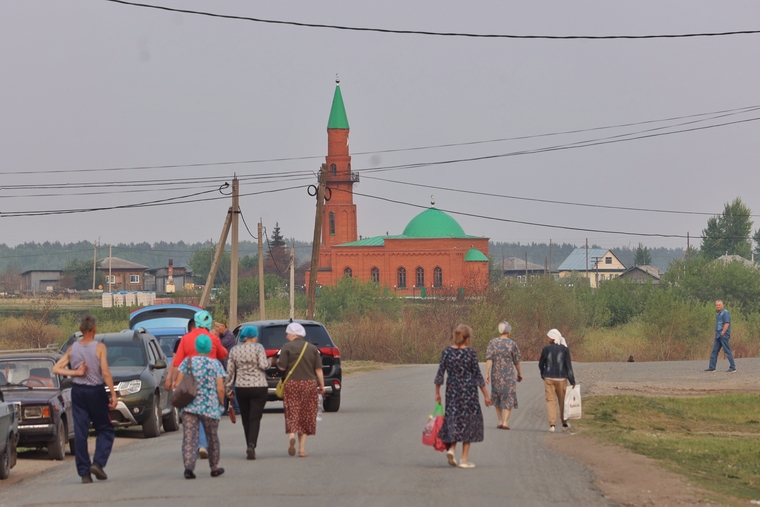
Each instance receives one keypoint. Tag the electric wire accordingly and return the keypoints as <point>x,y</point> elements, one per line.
<point>734,111</point>
<point>548,201</point>
<point>433,33</point>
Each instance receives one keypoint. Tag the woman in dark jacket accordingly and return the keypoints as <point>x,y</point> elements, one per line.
<point>556,370</point>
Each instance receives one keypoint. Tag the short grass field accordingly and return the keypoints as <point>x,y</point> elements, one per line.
<point>712,440</point>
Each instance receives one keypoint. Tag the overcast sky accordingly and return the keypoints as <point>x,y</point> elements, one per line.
<point>94,85</point>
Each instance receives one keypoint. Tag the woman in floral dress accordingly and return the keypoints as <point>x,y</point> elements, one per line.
<point>463,419</point>
<point>503,368</point>
<point>205,409</point>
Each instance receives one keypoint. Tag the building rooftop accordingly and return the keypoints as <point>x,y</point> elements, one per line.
<point>116,263</point>
<point>338,118</point>
<point>576,261</point>
<point>475,255</point>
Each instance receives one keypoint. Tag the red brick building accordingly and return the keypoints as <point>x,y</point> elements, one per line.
<point>433,255</point>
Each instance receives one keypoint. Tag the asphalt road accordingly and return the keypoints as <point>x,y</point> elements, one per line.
<point>369,453</point>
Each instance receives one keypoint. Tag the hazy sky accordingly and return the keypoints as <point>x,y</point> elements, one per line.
<point>94,85</point>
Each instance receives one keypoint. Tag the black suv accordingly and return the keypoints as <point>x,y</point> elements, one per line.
<point>138,366</point>
<point>272,337</point>
<point>45,398</point>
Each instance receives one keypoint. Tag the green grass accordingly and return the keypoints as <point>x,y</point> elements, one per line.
<point>713,440</point>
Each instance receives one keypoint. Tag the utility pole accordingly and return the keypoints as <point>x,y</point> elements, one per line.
<point>232,321</point>
<point>262,309</point>
<point>217,260</point>
<point>312,296</point>
<point>688,247</point>
<point>110,261</point>
<point>94,263</point>
<point>587,278</point>
<point>551,264</point>
<point>526,267</point>
<point>292,283</point>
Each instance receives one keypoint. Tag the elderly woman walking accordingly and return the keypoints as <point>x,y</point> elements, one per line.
<point>556,369</point>
<point>246,372</point>
<point>463,419</point>
<point>503,368</point>
<point>205,409</point>
<point>303,366</point>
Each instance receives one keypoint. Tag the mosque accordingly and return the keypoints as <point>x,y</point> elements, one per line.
<point>432,256</point>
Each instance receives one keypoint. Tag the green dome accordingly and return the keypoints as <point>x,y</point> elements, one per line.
<point>338,118</point>
<point>475,255</point>
<point>433,223</point>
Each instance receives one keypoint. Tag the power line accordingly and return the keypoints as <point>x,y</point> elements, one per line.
<point>725,112</point>
<point>432,33</point>
<point>548,201</point>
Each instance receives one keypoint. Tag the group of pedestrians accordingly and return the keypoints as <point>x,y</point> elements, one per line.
<point>463,419</point>
<point>225,372</point>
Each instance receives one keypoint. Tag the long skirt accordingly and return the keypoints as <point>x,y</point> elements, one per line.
<point>301,400</point>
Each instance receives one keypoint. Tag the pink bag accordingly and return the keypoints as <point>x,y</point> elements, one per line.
<point>433,426</point>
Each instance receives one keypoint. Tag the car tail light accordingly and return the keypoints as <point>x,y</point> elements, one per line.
<point>330,351</point>
<point>336,385</point>
<point>272,353</point>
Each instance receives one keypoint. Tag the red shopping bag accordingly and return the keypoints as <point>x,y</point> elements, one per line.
<point>433,426</point>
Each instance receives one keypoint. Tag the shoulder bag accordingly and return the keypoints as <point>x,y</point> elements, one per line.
<point>280,390</point>
<point>186,391</point>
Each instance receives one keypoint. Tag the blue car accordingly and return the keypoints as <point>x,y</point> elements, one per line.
<point>168,323</point>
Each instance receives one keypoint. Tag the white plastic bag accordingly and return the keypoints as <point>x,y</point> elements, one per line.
<point>573,402</point>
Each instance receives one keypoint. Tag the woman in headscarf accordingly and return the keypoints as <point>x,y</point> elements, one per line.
<point>503,367</point>
<point>556,369</point>
<point>205,409</point>
<point>301,398</point>
<point>463,419</point>
<point>246,372</point>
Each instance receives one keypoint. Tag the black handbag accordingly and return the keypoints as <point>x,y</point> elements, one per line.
<point>186,391</point>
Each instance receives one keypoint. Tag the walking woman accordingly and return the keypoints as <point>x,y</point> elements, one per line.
<point>302,362</point>
<point>556,370</point>
<point>246,372</point>
<point>463,419</point>
<point>503,368</point>
<point>205,409</point>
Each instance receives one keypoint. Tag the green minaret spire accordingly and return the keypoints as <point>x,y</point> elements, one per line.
<point>338,118</point>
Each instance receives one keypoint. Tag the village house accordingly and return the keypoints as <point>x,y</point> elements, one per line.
<point>596,264</point>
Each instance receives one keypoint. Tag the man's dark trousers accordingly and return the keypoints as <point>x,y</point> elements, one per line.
<point>90,404</point>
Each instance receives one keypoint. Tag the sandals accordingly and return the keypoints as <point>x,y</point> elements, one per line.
<point>467,464</point>
<point>451,457</point>
<point>292,447</point>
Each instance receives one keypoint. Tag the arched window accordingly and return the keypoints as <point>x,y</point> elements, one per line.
<point>420,277</point>
<point>401,278</point>
<point>375,275</point>
<point>333,170</point>
<point>332,223</point>
<point>348,273</point>
<point>437,277</point>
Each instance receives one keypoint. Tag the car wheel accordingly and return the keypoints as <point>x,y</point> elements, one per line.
<point>72,447</point>
<point>152,425</point>
<point>331,403</point>
<point>5,460</point>
<point>171,421</point>
<point>57,448</point>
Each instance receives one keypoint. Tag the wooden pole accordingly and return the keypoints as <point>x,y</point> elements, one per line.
<point>232,321</point>
<point>262,306</point>
<point>94,263</point>
<point>217,260</point>
<point>292,283</point>
<point>316,243</point>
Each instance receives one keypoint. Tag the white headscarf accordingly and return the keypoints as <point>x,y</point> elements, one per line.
<point>556,337</point>
<point>296,329</point>
<point>504,327</point>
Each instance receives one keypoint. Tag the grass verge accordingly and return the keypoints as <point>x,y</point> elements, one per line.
<point>353,366</point>
<point>712,440</point>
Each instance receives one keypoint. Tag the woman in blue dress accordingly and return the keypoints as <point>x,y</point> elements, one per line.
<point>463,419</point>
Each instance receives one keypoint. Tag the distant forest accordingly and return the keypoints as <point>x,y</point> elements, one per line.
<point>56,255</point>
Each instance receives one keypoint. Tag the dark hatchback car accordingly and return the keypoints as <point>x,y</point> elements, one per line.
<point>139,369</point>
<point>272,337</point>
<point>45,398</point>
<point>168,323</point>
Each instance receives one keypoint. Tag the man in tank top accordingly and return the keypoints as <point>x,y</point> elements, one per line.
<point>86,361</point>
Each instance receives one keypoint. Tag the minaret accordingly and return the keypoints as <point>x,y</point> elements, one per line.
<point>339,213</point>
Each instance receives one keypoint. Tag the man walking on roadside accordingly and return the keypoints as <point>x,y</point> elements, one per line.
<point>87,362</point>
<point>722,335</point>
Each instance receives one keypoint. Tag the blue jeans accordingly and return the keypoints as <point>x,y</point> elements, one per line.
<point>90,404</point>
<point>721,341</point>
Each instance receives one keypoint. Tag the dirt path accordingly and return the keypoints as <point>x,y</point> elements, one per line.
<point>630,479</point>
